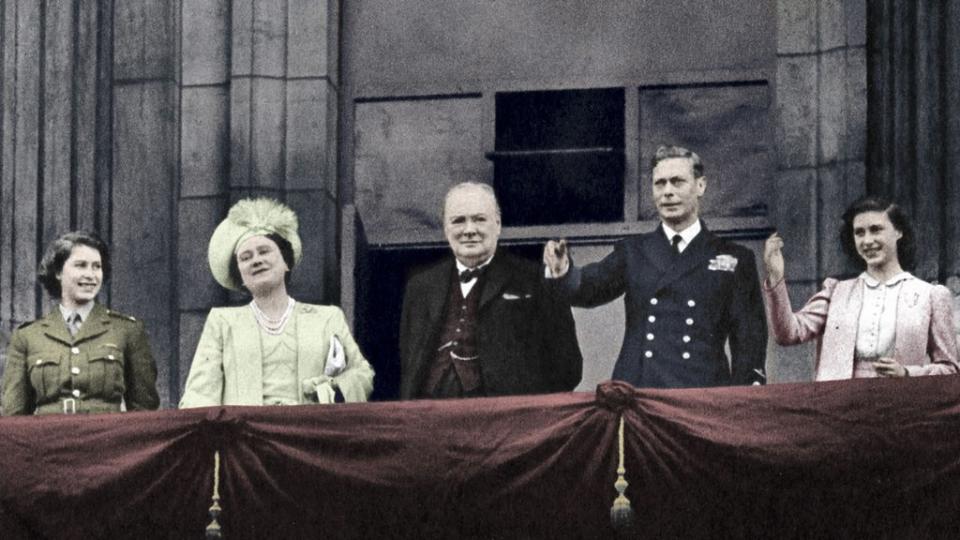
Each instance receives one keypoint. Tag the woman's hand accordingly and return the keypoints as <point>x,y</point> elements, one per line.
<point>773,259</point>
<point>886,366</point>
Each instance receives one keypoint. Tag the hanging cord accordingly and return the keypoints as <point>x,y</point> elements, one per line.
<point>213,529</point>
<point>621,513</point>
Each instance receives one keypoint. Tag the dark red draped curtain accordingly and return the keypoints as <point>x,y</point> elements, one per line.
<point>868,458</point>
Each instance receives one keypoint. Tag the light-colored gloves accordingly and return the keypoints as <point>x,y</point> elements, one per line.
<point>323,387</point>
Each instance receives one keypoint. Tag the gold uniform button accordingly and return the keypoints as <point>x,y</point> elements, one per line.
<point>652,318</point>
<point>75,370</point>
<point>649,337</point>
<point>648,354</point>
<point>75,350</point>
<point>686,356</point>
<point>110,357</point>
<point>691,303</point>
<point>39,361</point>
<point>689,322</point>
<point>686,339</point>
<point>653,301</point>
<point>76,393</point>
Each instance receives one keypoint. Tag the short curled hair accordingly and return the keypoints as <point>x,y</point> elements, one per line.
<point>286,251</point>
<point>906,246</point>
<point>669,151</point>
<point>51,265</point>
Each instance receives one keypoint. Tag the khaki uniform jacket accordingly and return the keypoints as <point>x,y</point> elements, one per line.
<point>109,360</point>
<point>227,368</point>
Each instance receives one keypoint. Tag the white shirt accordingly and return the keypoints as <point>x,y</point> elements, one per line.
<point>686,236</point>
<point>465,288</point>
<point>877,325</point>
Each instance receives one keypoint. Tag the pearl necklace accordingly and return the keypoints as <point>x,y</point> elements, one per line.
<point>274,327</point>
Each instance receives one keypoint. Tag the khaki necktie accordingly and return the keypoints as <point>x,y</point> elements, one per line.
<point>73,324</point>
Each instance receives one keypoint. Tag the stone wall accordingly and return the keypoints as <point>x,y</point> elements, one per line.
<point>144,120</point>
<point>821,140</point>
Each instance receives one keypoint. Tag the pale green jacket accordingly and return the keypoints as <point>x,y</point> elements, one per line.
<point>227,368</point>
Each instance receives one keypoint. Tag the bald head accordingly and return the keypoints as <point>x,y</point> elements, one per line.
<point>473,190</point>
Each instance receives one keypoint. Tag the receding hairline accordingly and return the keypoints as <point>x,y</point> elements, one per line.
<point>486,189</point>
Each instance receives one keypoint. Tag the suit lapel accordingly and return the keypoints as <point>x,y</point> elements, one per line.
<point>906,324</point>
<point>312,335</point>
<point>494,280</point>
<point>55,328</point>
<point>436,297</point>
<point>840,339</point>
<point>427,323</point>
<point>248,355</point>
<point>697,253</point>
<point>658,250</point>
<point>96,324</point>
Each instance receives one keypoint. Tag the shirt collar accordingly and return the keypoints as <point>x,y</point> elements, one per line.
<point>687,234</point>
<point>461,267</point>
<point>873,283</point>
<point>83,310</point>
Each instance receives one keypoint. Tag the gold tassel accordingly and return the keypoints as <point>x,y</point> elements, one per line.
<point>213,529</point>
<point>621,513</point>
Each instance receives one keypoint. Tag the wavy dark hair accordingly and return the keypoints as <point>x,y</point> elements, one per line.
<point>286,251</point>
<point>668,151</point>
<point>59,251</point>
<point>906,246</point>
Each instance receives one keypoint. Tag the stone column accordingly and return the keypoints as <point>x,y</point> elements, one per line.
<point>821,135</point>
<point>258,100</point>
<point>283,137</point>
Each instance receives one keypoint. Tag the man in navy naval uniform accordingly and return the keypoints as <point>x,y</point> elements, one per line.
<point>688,292</point>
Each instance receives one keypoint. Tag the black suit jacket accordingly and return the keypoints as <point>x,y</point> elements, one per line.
<point>680,310</point>
<point>525,337</point>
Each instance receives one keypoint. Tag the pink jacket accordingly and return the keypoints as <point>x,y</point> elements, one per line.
<point>925,342</point>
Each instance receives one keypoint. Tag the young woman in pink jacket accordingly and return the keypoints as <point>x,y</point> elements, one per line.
<point>884,322</point>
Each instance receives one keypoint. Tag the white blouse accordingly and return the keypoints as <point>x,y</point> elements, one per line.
<point>877,326</point>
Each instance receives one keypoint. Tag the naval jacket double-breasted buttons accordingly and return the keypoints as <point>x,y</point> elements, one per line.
<point>682,311</point>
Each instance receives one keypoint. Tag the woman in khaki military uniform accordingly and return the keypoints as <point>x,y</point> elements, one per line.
<point>273,350</point>
<point>80,357</point>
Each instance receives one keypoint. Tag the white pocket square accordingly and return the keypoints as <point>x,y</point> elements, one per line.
<point>511,296</point>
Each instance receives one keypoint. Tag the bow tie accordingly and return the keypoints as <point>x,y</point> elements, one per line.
<point>470,273</point>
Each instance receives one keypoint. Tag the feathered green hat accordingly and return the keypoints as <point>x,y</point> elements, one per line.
<point>250,217</point>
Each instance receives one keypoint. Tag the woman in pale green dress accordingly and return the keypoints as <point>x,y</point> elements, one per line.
<point>274,350</point>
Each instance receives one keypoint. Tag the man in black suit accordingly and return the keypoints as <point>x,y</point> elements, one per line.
<point>688,292</point>
<point>480,323</point>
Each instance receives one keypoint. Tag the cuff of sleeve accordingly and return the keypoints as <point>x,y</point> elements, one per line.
<point>768,286</point>
<point>573,277</point>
